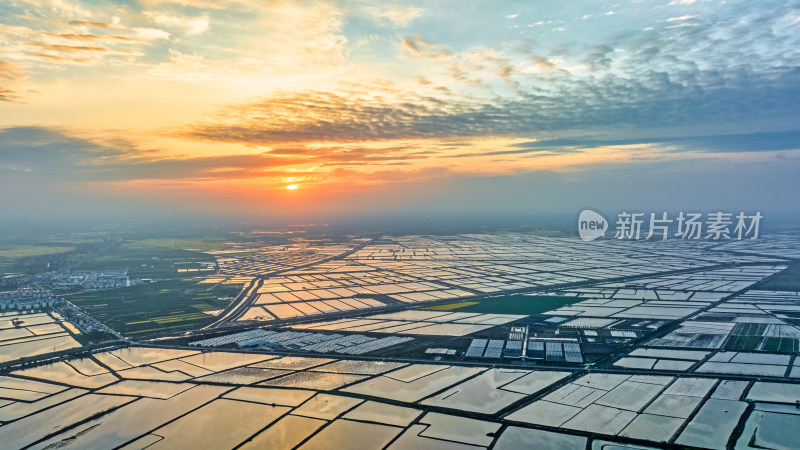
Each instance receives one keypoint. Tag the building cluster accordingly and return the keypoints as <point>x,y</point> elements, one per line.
<point>26,299</point>
<point>93,280</point>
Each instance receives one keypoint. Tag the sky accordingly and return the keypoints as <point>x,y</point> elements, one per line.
<point>323,110</point>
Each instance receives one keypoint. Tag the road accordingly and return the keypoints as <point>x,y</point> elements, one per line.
<point>248,296</point>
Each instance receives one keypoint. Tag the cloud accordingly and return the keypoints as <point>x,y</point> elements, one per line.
<point>206,4</point>
<point>93,37</point>
<point>678,19</point>
<point>599,57</point>
<point>67,59</point>
<point>49,153</point>
<point>52,155</point>
<point>324,116</point>
<point>67,48</point>
<point>731,143</point>
<point>528,151</point>
<point>77,54</point>
<point>152,34</point>
<point>400,17</point>
<point>241,42</point>
<point>618,105</point>
<point>86,23</point>
<point>46,41</point>
<point>10,76</point>
<point>183,67</point>
<point>418,46</point>
<point>58,173</point>
<point>10,71</point>
<point>68,8</point>
<point>724,88</point>
<point>542,64</point>
<point>190,25</point>
<point>8,95</point>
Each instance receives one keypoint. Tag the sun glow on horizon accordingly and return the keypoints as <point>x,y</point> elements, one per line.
<point>293,187</point>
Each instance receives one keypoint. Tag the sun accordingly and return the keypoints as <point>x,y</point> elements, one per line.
<point>292,187</point>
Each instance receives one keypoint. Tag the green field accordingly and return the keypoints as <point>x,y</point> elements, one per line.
<point>513,304</point>
<point>23,251</point>
<point>451,306</point>
<point>147,261</point>
<point>787,280</point>
<point>745,337</point>
<point>145,258</point>
<point>752,336</point>
<point>781,345</point>
<point>20,258</point>
<point>154,307</point>
<point>174,243</point>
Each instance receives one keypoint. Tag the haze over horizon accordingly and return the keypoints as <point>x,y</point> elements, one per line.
<point>297,111</point>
